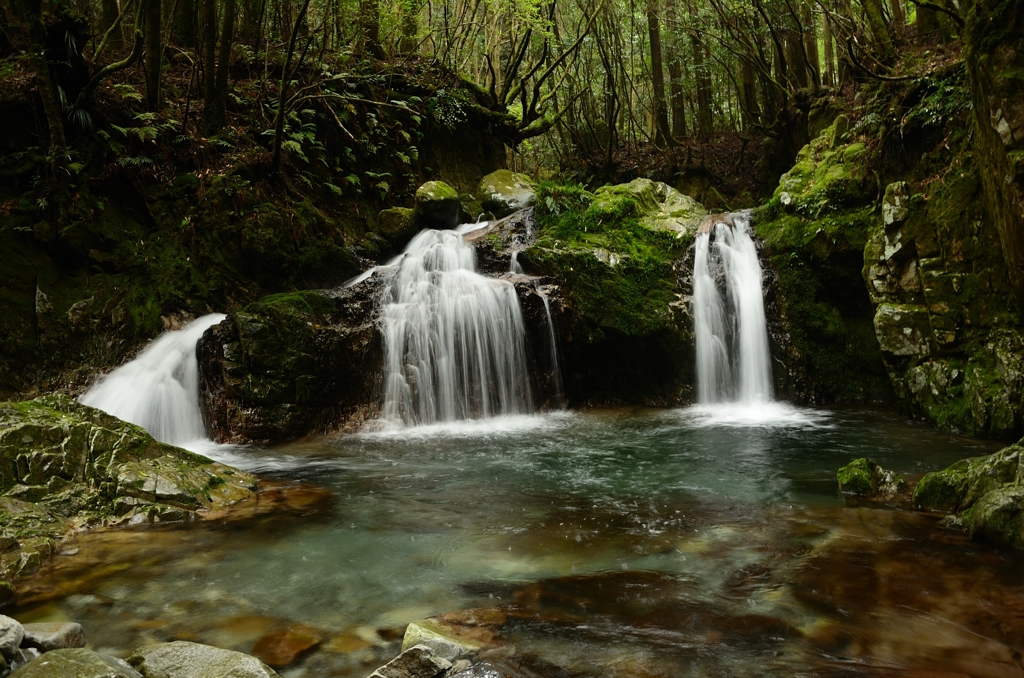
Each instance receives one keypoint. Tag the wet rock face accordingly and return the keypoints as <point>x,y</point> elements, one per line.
<point>293,364</point>
<point>944,315</point>
<point>986,495</point>
<point>63,464</point>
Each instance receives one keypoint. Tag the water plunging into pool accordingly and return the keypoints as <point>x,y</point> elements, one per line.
<point>454,340</point>
<point>733,360</point>
<point>159,390</point>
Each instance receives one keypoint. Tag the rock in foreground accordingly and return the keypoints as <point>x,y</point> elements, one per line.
<point>76,663</point>
<point>986,494</point>
<point>864,478</point>
<point>64,465</point>
<point>182,659</point>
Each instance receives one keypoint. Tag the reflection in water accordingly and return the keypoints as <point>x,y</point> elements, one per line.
<point>619,543</point>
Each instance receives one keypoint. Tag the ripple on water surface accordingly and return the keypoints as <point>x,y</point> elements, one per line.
<point>623,543</point>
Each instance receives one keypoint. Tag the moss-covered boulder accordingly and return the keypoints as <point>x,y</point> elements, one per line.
<point>293,364</point>
<point>76,663</point>
<point>864,478</point>
<point>814,230</point>
<point>437,205</point>
<point>64,465</point>
<point>503,192</point>
<point>986,494</point>
<point>620,257</point>
<point>398,224</point>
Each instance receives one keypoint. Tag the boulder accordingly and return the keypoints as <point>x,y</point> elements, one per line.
<point>47,636</point>
<point>985,494</point>
<point>63,464</point>
<point>11,635</point>
<point>293,364</point>
<point>182,659</point>
<point>440,639</point>
<point>864,478</point>
<point>283,647</point>
<point>504,192</point>
<point>76,663</point>
<point>416,662</point>
<point>437,205</point>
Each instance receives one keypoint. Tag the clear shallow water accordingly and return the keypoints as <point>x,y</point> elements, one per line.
<point>707,541</point>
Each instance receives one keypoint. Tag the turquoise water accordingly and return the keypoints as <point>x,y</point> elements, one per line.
<point>622,543</point>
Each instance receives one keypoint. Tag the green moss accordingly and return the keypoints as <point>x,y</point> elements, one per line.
<point>620,273</point>
<point>855,477</point>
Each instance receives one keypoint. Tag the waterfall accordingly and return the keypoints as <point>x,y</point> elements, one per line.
<point>454,340</point>
<point>159,390</point>
<point>733,360</point>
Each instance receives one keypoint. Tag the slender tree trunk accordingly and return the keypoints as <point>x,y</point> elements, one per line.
<point>795,57</point>
<point>110,13</point>
<point>829,79</point>
<point>811,46</point>
<point>154,53</point>
<point>705,119</point>
<point>661,132</point>
<point>899,20</point>
<point>409,26</point>
<point>748,95</point>
<point>282,96</point>
<point>33,10</point>
<point>209,61</point>
<point>216,118</point>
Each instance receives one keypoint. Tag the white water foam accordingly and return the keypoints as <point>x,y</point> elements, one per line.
<point>454,340</point>
<point>159,390</point>
<point>759,415</point>
<point>733,359</point>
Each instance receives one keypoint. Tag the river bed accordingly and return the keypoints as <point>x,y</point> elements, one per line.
<point>634,542</point>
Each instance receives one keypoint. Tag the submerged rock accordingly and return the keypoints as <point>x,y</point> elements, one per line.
<point>182,659</point>
<point>985,493</point>
<point>63,464</point>
<point>864,478</point>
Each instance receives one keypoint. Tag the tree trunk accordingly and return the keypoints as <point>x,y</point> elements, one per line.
<point>47,92</point>
<point>811,46</point>
<point>899,19</point>
<point>183,25</point>
<point>661,130</point>
<point>110,14</point>
<point>214,121</point>
<point>705,119</point>
<point>369,20</point>
<point>209,61</point>
<point>409,26</point>
<point>282,95</point>
<point>748,95</point>
<point>829,79</point>
<point>154,53</point>
<point>795,57</point>
<point>880,32</point>
<point>928,28</point>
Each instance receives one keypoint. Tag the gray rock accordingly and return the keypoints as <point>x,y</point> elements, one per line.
<point>182,659</point>
<point>481,670</point>
<point>76,663</point>
<point>49,636</point>
<point>416,662</point>
<point>11,635</point>
<point>444,645</point>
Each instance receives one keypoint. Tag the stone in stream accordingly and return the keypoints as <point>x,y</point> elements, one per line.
<point>416,662</point>
<point>984,493</point>
<point>76,663</point>
<point>11,635</point>
<point>864,478</point>
<point>182,659</point>
<point>437,205</point>
<point>47,636</point>
<point>283,647</point>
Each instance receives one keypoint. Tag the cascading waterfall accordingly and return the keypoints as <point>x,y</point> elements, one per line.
<point>733,359</point>
<point>454,340</point>
<point>159,390</point>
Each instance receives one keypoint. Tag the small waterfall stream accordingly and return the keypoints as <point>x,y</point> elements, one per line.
<point>454,340</point>
<point>159,390</point>
<point>733,359</point>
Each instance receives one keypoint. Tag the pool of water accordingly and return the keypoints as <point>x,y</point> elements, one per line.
<point>616,543</point>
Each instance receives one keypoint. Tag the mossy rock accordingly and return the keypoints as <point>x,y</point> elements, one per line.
<point>63,464</point>
<point>864,478</point>
<point>504,192</point>
<point>998,516</point>
<point>398,224</point>
<point>437,205</point>
<point>958,487</point>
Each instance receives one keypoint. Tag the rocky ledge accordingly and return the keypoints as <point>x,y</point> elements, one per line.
<point>65,466</point>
